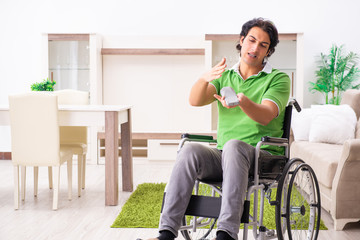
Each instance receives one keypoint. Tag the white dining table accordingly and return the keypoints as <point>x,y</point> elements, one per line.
<point>110,116</point>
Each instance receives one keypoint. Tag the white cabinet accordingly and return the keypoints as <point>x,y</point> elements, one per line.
<point>74,61</point>
<point>162,149</point>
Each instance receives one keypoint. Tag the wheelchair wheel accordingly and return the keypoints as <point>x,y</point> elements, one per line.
<point>303,204</point>
<point>281,196</point>
<point>201,233</point>
<point>204,226</point>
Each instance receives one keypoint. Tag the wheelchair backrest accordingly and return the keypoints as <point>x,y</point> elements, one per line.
<point>287,118</point>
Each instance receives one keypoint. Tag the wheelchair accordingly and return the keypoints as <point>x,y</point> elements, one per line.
<point>297,199</point>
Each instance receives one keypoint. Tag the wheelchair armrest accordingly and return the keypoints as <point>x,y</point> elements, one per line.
<point>268,139</point>
<point>198,138</point>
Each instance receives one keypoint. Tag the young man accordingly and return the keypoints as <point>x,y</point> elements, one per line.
<point>263,93</point>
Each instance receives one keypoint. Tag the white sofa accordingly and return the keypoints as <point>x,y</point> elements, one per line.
<point>337,167</point>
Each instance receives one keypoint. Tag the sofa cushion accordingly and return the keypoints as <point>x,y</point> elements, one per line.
<point>301,123</point>
<point>332,123</point>
<point>322,157</point>
<point>324,123</point>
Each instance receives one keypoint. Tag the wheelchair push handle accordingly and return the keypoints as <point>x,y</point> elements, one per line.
<point>294,103</point>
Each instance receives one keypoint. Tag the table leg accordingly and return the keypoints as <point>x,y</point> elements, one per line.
<point>126,155</point>
<point>111,158</point>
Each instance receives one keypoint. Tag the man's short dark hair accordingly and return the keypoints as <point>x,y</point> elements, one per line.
<point>267,27</point>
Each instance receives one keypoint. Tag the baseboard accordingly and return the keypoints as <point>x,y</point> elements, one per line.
<point>5,155</point>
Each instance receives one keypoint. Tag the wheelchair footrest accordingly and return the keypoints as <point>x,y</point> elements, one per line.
<point>204,206</point>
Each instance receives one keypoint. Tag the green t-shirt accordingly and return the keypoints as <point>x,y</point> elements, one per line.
<point>235,124</point>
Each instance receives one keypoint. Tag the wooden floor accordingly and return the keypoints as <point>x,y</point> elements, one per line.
<point>87,217</point>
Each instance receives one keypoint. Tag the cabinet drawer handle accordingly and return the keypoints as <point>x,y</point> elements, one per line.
<point>169,144</point>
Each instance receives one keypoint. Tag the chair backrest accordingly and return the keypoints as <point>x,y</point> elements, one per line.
<point>34,129</point>
<point>73,97</point>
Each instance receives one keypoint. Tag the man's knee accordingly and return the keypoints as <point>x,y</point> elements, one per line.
<point>190,149</point>
<point>234,144</point>
<point>238,151</point>
<point>190,153</point>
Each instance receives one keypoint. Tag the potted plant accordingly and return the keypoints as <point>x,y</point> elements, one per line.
<point>45,85</point>
<point>336,73</point>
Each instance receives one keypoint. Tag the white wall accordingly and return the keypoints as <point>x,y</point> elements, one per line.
<point>22,23</point>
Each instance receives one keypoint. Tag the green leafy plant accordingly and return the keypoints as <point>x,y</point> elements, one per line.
<point>336,73</point>
<point>45,85</point>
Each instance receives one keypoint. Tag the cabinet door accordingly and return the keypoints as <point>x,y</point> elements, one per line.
<point>69,61</point>
<point>74,61</point>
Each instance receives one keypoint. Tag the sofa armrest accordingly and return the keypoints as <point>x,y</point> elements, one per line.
<point>345,196</point>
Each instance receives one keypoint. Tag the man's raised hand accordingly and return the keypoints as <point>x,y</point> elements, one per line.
<point>215,72</point>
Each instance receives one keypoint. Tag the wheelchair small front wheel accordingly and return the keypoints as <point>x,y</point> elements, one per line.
<point>203,233</point>
<point>204,226</point>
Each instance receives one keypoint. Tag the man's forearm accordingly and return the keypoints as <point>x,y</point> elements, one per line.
<point>262,113</point>
<point>199,94</point>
